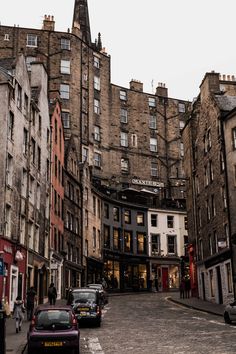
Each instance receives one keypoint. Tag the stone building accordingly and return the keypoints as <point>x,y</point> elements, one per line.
<point>24,182</point>
<point>73,217</point>
<point>209,166</point>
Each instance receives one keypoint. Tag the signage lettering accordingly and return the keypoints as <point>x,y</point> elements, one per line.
<point>147,183</point>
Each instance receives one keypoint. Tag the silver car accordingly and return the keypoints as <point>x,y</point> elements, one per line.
<point>230,312</point>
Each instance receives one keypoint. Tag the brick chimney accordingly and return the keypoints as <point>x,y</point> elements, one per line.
<point>136,85</point>
<point>161,90</point>
<point>48,23</point>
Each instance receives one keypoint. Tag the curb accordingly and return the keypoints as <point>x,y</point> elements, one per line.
<point>194,307</point>
<point>22,349</point>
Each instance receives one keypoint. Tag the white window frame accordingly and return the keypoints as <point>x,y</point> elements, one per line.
<point>154,169</point>
<point>65,91</point>
<point>96,106</point>
<point>65,43</point>
<point>153,144</point>
<point>181,107</point>
<point>123,139</point>
<point>97,134</point>
<point>97,159</point>
<point>65,116</point>
<point>123,115</point>
<point>65,66</point>
<point>124,163</point>
<point>152,122</point>
<point>123,95</point>
<point>96,62</point>
<point>151,102</point>
<point>96,83</point>
<point>32,40</point>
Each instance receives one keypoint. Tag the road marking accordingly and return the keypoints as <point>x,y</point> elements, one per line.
<point>94,346</point>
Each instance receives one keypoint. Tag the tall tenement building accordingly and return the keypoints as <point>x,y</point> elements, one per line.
<point>126,139</point>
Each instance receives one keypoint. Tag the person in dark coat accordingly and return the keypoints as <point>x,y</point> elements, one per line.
<point>187,287</point>
<point>52,294</point>
<point>31,298</point>
<point>182,288</point>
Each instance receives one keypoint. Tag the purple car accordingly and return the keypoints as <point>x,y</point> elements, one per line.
<point>54,329</point>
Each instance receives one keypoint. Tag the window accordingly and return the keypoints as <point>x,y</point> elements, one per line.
<point>181,107</point>
<point>128,241</point>
<point>171,244</point>
<point>211,171</point>
<point>107,243</point>
<point>153,144</point>
<point>234,138</point>
<point>208,210</point>
<point>96,62</point>
<point>229,277</point>
<point>97,136</point>
<point>11,125</point>
<point>8,221</point>
<point>96,106</point>
<point>181,149</point>
<point>213,207</point>
<point>94,238</point>
<point>123,115</point>
<point>106,210</point>
<point>9,171</point>
<point>151,102</point>
<point>24,183</point>
<point>181,124</point>
<point>185,223</point>
<point>223,192</point>
<point>65,66</point>
<point>140,218</point>
<point>33,152</point>
<point>39,158</point>
<point>209,139</point>
<point>96,83</point>
<point>6,37</point>
<point>170,221</point>
<point>141,243</point>
<point>154,220</point>
<point>222,161</point>
<point>134,140</point>
<point>116,239</point>
<point>94,205</point>
<point>206,175</point>
<point>65,43</point>
<point>124,165</point>
<point>32,40</point>
<point>152,122</point>
<point>123,95</point>
<point>19,96</point>
<point>65,91</point>
<point>29,60</point>
<point>211,283</point>
<point>84,154</point>
<point>97,159</point>
<point>116,214</point>
<point>155,244</point>
<point>154,170</point>
<point>123,139</point>
<point>127,216</point>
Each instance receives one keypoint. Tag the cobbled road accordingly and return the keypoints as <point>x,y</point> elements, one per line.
<point>150,324</point>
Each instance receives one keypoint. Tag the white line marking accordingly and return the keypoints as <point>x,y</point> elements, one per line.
<point>94,346</point>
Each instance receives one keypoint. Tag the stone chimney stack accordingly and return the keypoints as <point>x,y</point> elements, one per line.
<point>161,90</point>
<point>48,23</point>
<point>136,85</point>
<point>210,84</point>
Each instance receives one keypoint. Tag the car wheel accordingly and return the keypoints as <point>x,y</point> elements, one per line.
<point>226,318</point>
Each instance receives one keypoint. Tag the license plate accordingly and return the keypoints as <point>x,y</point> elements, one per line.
<point>83,313</point>
<point>84,309</point>
<point>53,344</point>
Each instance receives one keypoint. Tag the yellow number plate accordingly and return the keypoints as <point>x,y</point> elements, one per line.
<point>53,344</point>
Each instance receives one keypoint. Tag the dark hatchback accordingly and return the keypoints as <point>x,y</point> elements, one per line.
<point>87,305</point>
<point>53,329</point>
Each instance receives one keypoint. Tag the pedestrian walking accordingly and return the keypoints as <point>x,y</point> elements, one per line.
<point>31,300</point>
<point>52,294</point>
<point>182,288</point>
<point>187,287</point>
<point>156,283</point>
<point>18,313</point>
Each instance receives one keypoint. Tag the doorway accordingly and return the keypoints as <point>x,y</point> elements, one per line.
<point>203,287</point>
<point>165,285</point>
<point>219,285</point>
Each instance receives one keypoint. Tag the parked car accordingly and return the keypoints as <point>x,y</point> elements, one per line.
<point>230,312</point>
<point>53,329</point>
<point>87,305</point>
<point>102,291</point>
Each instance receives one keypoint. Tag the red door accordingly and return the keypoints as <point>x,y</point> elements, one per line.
<point>165,285</point>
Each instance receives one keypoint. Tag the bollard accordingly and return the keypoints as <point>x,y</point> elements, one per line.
<point>2,332</point>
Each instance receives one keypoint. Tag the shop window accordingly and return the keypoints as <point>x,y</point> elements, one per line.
<point>141,243</point>
<point>107,242</point>
<point>128,241</point>
<point>116,239</point>
<point>140,219</point>
<point>127,216</point>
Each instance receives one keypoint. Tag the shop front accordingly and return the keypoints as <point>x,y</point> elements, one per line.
<point>13,280</point>
<point>94,270</point>
<point>165,275</point>
<point>126,274</point>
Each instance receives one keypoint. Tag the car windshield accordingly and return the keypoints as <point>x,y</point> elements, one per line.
<point>95,286</point>
<point>53,319</point>
<point>84,296</point>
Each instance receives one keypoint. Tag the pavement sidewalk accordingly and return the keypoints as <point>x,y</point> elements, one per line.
<point>15,342</point>
<point>198,304</point>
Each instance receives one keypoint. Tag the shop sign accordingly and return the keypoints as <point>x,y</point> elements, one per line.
<point>143,182</point>
<point>1,266</point>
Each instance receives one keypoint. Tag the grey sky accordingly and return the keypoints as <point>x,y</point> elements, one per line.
<point>169,41</point>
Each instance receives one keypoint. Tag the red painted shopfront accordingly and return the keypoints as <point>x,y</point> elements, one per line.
<point>12,283</point>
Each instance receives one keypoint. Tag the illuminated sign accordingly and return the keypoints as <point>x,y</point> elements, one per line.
<point>148,183</point>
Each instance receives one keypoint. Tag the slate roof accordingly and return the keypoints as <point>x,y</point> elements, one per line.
<point>226,103</point>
